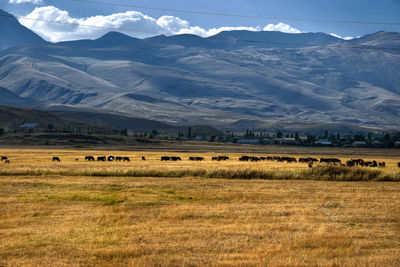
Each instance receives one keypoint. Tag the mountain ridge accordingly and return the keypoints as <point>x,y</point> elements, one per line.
<point>186,79</point>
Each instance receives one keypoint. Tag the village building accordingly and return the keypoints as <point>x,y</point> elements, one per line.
<point>30,128</point>
<point>324,142</point>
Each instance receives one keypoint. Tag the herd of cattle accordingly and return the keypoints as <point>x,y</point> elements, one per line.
<point>309,161</point>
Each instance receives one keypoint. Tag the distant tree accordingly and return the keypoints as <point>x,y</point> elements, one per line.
<point>359,137</point>
<point>50,127</point>
<point>124,132</point>
<point>369,136</point>
<point>296,136</point>
<point>387,140</point>
<point>1,131</point>
<point>154,132</point>
<point>190,132</point>
<point>326,134</point>
<point>279,134</point>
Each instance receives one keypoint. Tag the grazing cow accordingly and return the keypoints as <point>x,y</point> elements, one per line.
<point>89,158</point>
<point>101,158</point>
<point>57,159</point>
<point>245,158</point>
<point>4,158</point>
<point>111,158</point>
<point>310,164</point>
<point>374,164</point>
<point>127,159</point>
<point>196,158</point>
<point>255,159</point>
<point>358,162</point>
<point>289,160</point>
<point>76,159</point>
<point>7,161</point>
<point>330,160</point>
<point>350,163</point>
<point>165,158</point>
<point>382,164</point>
<point>143,158</point>
<point>307,160</point>
<point>176,159</point>
<point>398,164</point>
<point>220,158</point>
<point>119,158</point>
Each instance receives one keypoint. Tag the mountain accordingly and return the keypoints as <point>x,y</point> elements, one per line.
<point>225,81</point>
<point>14,34</point>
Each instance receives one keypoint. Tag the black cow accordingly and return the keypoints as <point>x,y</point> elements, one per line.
<point>196,158</point>
<point>382,164</point>
<point>143,158</point>
<point>4,158</point>
<point>7,161</point>
<point>289,160</point>
<point>119,158</point>
<point>330,160</point>
<point>244,158</point>
<point>350,163</point>
<point>57,159</point>
<point>307,160</point>
<point>127,159</point>
<point>111,158</point>
<point>398,164</point>
<point>220,158</point>
<point>165,158</point>
<point>101,158</point>
<point>89,158</point>
<point>255,159</point>
<point>176,159</point>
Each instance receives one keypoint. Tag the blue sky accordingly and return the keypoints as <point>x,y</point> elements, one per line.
<point>142,23</point>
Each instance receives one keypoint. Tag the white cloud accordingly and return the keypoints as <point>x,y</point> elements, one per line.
<point>281,27</point>
<point>341,37</point>
<point>36,2</point>
<point>132,23</point>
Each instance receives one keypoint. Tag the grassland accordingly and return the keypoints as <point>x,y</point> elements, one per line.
<point>37,162</point>
<point>50,218</point>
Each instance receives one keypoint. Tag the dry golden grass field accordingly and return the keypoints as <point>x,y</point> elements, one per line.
<point>115,213</point>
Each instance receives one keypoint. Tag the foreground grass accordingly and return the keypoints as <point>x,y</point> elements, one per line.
<point>319,173</point>
<point>74,220</point>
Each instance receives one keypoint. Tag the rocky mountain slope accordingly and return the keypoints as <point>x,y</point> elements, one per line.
<point>219,81</point>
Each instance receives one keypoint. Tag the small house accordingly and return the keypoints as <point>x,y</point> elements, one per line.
<point>30,128</point>
<point>248,141</point>
<point>323,142</point>
<point>359,143</point>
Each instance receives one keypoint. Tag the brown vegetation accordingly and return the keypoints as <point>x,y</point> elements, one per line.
<point>77,212</point>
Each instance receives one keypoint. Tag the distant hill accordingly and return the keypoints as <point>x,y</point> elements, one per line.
<point>12,118</point>
<point>135,124</point>
<point>14,34</point>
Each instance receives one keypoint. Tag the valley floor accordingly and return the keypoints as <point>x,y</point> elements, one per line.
<point>52,214</point>
<point>197,222</point>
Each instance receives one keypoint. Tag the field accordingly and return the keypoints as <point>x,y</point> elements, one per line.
<point>107,214</point>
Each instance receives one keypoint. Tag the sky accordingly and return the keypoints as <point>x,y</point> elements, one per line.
<point>83,20</point>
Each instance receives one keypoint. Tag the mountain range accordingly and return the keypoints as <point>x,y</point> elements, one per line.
<point>233,80</point>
